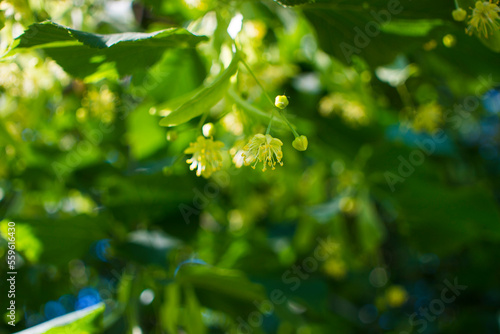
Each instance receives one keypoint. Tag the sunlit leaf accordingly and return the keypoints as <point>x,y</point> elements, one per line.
<point>81,53</point>
<point>347,29</point>
<point>88,320</point>
<point>202,99</point>
<point>410,27</point>
<point>193,314</point>
<point>289,3</point>
<point>223,281</point>
<point>171,308</point>
<point>64,239</point>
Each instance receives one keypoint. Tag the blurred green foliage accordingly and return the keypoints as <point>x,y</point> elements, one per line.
<point>391,209</point>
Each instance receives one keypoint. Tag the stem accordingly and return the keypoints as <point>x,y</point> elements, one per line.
<point>257,80</point>
<point>270,122</point>
<point>132,310</point>
<point>202,120</point>
<point>177,159</point>
<point>269,98</point>
<point>405,96</point>
<point>289,125</point>
<point>248,107</point>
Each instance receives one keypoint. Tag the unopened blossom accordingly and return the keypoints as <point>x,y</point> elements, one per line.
<point>300,143</point>
<point>459,14</point>
<point>281,101</point>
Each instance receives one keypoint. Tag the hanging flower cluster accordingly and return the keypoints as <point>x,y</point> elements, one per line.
<point>428,118</point>
<point>207,156</point>
<point>265,149</point>
<point>484,19</point>
<point>262,148</point>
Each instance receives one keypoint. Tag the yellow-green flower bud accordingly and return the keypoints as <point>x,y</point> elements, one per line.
<point>208,130</point>
<point>459,14</point>
<point>172,135</point>
<point>281,101</point>
<point>300,143</point>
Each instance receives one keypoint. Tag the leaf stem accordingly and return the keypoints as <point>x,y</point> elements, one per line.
<point>295,133</point>
<point>203,119</point>
<point>270,122</point>
<point>268,98</point>
<point>257,81</point>
<point>248,107</point>
<point>405,97</point>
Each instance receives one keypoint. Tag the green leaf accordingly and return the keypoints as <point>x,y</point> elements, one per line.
<point>182,66</point>
<point>193,314</point>
<point>27,243</point>
<point>147,247</point>
<point>412,28</point>
<point>65,239</point>
<point>170,308</point>
<point>144,135</point>
<point>371,231</point>
<point>221,281</point>
<point>289,3</point>
<point>2,20</point>
<point>346,29</point>
<point>492,41</point>
<point>88,320</point>
<point>444,220</point>
<point>202,99</point>
<point>81,54</point>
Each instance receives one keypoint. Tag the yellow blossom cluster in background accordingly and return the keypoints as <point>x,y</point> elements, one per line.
<point>429,118</point>
<point>351,111</point>
<point>100,103</point>
<point>29,75</point>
